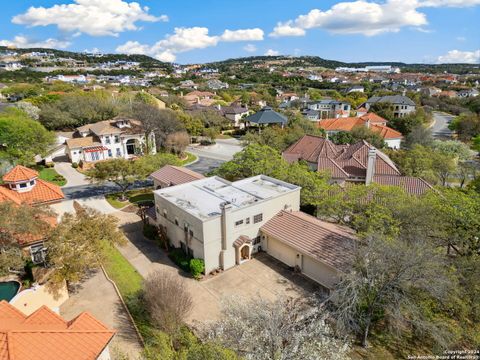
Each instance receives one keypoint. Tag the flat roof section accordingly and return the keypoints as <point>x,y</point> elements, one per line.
<point>202,198</point>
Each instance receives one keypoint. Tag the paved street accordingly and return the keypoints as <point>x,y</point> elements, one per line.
<point>211,157</point>
<point>440,127</point>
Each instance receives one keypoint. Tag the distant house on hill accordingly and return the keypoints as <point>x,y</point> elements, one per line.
<point>356,163</point>
<point>266,116</point>
<point>402,105</point>
<point>235,113</point>
<point>329,108</point>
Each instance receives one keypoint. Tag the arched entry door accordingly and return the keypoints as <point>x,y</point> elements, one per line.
<point>243,249</point>
<point>131,147</point>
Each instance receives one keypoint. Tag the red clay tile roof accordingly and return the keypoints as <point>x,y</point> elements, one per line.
<point>41,193</point>
<point>175,175</point>
<point>385,132</point>
<point>347,124</point>
<point>326,242</point>
<point>411,185</point>
<point>374,118</point>
<point>352,159</point>
<point>20,173</point>
<point>44,335</point>
<point>9,195</point>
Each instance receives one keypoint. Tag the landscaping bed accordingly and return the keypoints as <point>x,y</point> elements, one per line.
<point>133,197</point>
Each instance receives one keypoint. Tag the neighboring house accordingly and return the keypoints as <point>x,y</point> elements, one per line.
<point>188,84</point>
<point>216,84</point>
<point>402,105</point>
<point>372,121</point>
<point>356,163</point>
<point>205,98</point>
<point>450,94</point>
<point>170,175</point>
<point>467,93</point>
<point>117,138</point>
<point>361,111</point>
<point>287,97</point>
<point>224,223</point>
<point>312,115</point>
<point>329,108</point>
<point>235,114</point>
<point>430,91</point>
<point>46,335</point>
<point>21,185</point>
<point>266,116</point>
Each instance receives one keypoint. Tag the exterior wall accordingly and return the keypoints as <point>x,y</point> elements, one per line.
<point>316,270</point>
<point>75,155</point>
<point>393,143</point>
<point>403,110</point>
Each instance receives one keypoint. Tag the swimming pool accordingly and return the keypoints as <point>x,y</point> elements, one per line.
<point>8,290</point>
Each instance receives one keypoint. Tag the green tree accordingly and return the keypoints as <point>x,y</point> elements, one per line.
<point>79,243</point>
<point>21,138</point>
<point>122,172</point>
<point>466,125</point>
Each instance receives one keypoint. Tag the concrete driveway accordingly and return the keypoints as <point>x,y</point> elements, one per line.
<point>73,177</point>
<point>96,202</point>
<point>262,276</point>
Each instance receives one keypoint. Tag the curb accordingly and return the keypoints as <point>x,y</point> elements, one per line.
<point>125,306</point>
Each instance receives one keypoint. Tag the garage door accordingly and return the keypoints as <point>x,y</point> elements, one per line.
<point>281,252</point>
<point>319,272</point>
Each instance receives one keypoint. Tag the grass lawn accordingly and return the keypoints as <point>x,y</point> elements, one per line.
<point>128,280</point>
<point>50,175</point>
<point>190,158</point>
<point>134,196</point>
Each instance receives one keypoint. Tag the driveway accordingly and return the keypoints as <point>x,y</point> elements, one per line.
<point>211,157</point>
<point>440,128</point>
<point>73,177</point>
<point>97,296</point>
<point>262,276</point>
<point>96,202</point>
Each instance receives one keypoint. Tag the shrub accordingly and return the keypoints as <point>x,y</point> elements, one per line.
<point>74,165</point>
<point>167,300</point>
<point>197,267</point>
<point>180,258</point>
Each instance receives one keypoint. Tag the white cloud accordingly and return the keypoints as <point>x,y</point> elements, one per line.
<point>187,39</point>
<point>457,56</point>
<point>286,29</point>
<point>21,41</point>
<point>449,3</point>
<point>92,17</point>
<point>366,17</point>
<point>461,38</point>
<point>271,52</point>
<point>250,48</point>
<point>242,35</point>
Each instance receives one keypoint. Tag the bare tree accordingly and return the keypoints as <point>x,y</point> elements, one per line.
<point>161,122</point>
<point>177,142</point>
<point>288,329</point>
<point>167,300</point>
<point>388,279</point>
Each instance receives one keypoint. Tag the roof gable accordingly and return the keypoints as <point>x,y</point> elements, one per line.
<point>20,173</point>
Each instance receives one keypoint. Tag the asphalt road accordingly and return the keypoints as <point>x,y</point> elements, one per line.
<point>440,127</point>
<point>90,190</point>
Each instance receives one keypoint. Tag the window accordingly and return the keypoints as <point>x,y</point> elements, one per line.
<point>107,139</point>
<point>95,156</point>
<point>176,221</point>
<point>256,240</point>
<point>117,139</point>
<point>32,182</point>
<point>110,153</point>
<point>165,213</point>
<point>257,218</point>
<point>191,233</point>
<point>238,223</point>
<point>23,185</point>
<point>119,152</point>
<point>247,220</point>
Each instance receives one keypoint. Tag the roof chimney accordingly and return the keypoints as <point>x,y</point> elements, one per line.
<point>372,158</point>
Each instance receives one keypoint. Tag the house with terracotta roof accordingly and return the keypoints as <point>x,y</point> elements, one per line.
<point>359,163</point>
<point>225,223</point>
<point>371,121</point>
<point>45,335</point>
<point>120,137</point>
<point>21,185</point>
<point>170,175</point>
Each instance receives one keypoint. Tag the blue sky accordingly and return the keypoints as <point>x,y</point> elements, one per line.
<point>200,31</point>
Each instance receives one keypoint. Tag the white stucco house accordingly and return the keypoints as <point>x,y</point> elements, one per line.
<point>117,138</point>
<point>224,223</point>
